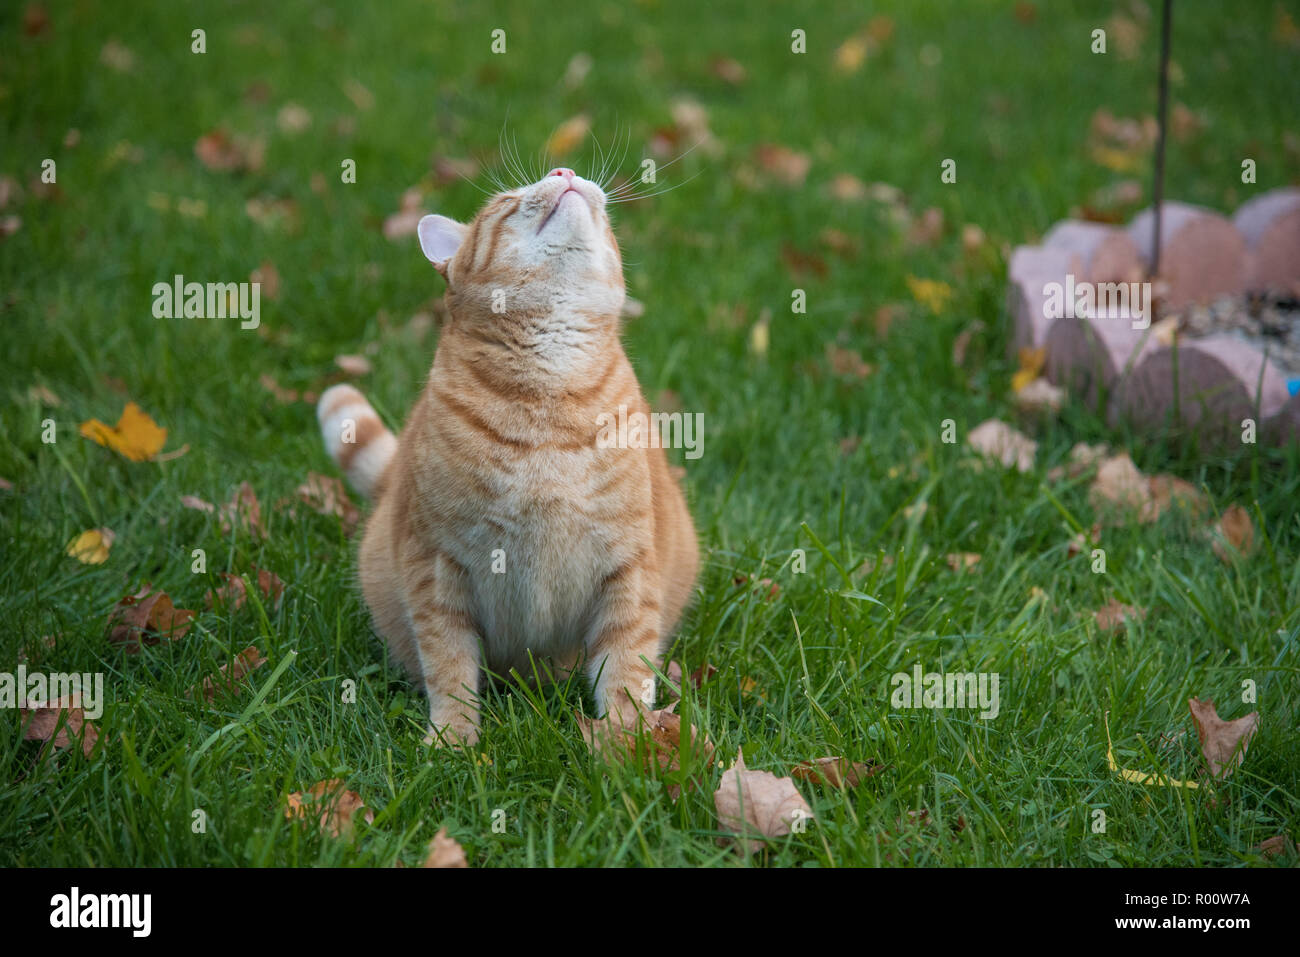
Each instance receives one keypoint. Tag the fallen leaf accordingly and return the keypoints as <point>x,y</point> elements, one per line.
<point>352,365</point>
<point>1031,365</point>
<point>1223,743</point>
<point>787,165</point>
<point>656,738</point>
<point>1139,777</point>
<point>267,277</point>
<point>234,592</point>
<point>1167,492</point>
<point>336,805</point>
<point>227,679</point>
<point>196,503</point>
<point>931,293</point>
<point>569,135</point>
<point>727,70</point>
<point>1234,534</point>
<point>146,618</point>
<point>835,772</point>
<point>928,229</point>
<point>293,119</point>
<point>1119,485</point>
<point>117,57</point>
<point>444,852</point>
<point>847,188</point>
<point>757,805</point>
<point>1040,396</point>
<point>326,495</point>
<point>999,441</point>
<point>1080,542</point>
<point>91,546</point>
<point>846,363</point>
<point>135,436</point>
<point>962,561</point>
<point>1279,845</point>
<point>1112,615</point>
<point>220,152</point>
<point>45,725</point>
<point>42,395</point>
<point>243,511</point>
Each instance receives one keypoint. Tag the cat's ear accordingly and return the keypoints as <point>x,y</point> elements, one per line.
<point>440,237</point>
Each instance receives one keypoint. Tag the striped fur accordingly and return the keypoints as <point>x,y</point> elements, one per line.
<point>500,528</point>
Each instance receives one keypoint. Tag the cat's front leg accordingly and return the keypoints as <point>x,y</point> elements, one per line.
<point>447,641</point>
<point>623,637</point>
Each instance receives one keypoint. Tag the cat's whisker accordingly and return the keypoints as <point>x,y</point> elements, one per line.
<point>629,197</point>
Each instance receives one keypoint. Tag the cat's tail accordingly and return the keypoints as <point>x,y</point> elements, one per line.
<point>355,438</point>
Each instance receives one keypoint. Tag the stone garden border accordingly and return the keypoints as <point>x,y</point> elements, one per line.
<point>1217,380</point>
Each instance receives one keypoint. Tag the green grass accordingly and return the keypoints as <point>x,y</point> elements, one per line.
<point>1011,101</point>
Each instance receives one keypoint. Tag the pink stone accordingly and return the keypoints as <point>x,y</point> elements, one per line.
<point>1202,256</point>
<point>1270,225</point>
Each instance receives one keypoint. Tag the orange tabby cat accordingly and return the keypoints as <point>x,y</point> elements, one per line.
<point>502,527</point>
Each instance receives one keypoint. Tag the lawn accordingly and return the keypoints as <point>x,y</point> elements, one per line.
<point>802,451</point>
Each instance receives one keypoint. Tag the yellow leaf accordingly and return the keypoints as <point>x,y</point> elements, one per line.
<point>91,546</point>
<point>568,135</point>
<point>1121,161</point>
<point>1140,777</point>
<point>1031,364</point>
<point>931,293</point>
<point>135,436</point>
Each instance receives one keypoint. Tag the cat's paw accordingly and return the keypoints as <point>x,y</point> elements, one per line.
<point>456,733</point>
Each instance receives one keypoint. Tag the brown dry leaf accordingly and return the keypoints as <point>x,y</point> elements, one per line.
<point>1168,491</point>
<point>1081,542</point>
<point>999,441</point>
<point>336,805</point>
<point>226,680</point>
<point>962,561</point>
<point>444,852</point>
<point>1279,845</point>
<point>846,363</point>
<point>1112,615</point>
<point>787,165</point>
<point>219,151</point>
<point>235,590</point>
<point>1223,743</point>
<point>801,264</point>
<point>91,546</point>
<point>727,70</point>
<point>44,724</point>
<point>146,618</point>
<point>697,678</point>
<point>928,229</point>
<point>1234,534</point>
<point>293,119</point>
<point>116,56</point>
<point>847,188</point>
<point>1040,396</point>
<point>196,503</point>
<point>43,396</point>
<point>327,496</point>
<point>1119,485</point>
<point>757,804</point>
<point>268,278</point>
<point>836,772</point>
<point>353,365</point>
<point>658,736</point>
<point>136,436</point>
<point>243,511</point>
<point>961,344</point>
<point>569,135</point>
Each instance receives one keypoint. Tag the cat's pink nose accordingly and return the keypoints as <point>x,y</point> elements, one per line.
<point>562,171</point>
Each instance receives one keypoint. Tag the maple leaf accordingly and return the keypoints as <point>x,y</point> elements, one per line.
<point>655,742</point>
<point>787,165</point>
<point>444,852</point>
<point>135,436</point>
<point>146,618</point>
<point>836,772</point>
<point>757,805</point>
<point>243,511</point>
<point>227,678</point>
<point>235,591</point>
<point>58,722</point>
<point>331,804</point>
<point>91,546</point>
<point>1222,742</point>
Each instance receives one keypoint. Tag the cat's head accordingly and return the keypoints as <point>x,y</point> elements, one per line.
<point>540,248</point>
